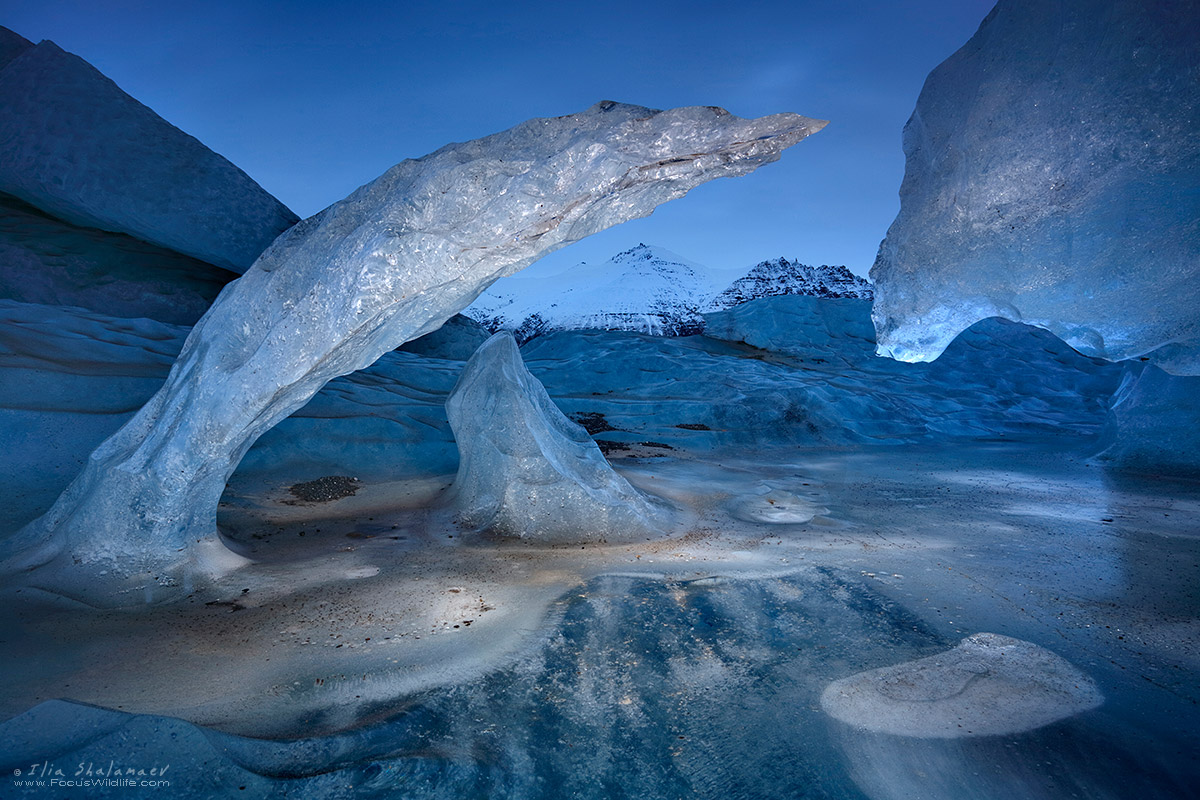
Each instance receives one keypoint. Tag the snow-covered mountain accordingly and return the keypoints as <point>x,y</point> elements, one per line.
<point>647,289</point>
<point>781,276</point>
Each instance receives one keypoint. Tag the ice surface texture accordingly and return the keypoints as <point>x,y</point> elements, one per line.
<point>1052,166</point>
<point>989,685</point>
<point>527,471</point>
<point>75,145</point>
<point>389,263</point>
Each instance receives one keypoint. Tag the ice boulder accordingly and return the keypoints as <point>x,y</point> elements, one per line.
<point>73,144</point>
<point>391,262</point>
<point>1052,166</point>
<point>990,685</point>
<point>527,471</point>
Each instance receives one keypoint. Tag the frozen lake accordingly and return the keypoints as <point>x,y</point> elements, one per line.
<point>372,651</point>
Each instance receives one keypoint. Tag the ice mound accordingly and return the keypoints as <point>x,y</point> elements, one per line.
<point>1154,423</point>
<point>990,685</point>
<point>389,263</point>
<point>72,143</point>
<point>775,506</point>
<point>996,379</point>
<point>527,471</point>
<point>1050,179</point>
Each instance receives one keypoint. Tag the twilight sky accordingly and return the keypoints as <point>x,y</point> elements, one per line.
<point>313,99</point>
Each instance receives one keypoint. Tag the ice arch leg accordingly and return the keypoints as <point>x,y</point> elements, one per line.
<point>389,263</point>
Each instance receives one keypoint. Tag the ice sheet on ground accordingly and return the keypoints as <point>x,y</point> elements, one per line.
<point>1050,179</point>
<point>692,668</point>
<point>71,378</point>
<point>989,685</point>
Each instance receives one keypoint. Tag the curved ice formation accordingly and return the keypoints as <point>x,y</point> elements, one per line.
<point>989,685</point>
<point>527,471</point>
<point>75,145</point>
<point>389,263</point>
<point>1051,176</point>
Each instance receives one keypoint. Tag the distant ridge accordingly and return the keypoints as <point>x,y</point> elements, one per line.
<point>649,290</point>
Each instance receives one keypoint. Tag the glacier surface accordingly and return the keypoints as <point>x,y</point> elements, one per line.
<point>389,263</point>
<point>525,470</point>
<point>1051,175</point>
<point>73,144</point>
<point>366,647</point>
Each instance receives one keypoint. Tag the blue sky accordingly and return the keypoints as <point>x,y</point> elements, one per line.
<point>315,99</point>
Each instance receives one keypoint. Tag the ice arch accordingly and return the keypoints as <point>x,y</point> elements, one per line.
<point>389,263</point>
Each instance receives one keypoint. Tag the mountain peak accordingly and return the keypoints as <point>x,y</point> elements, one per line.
<point>651,290</point>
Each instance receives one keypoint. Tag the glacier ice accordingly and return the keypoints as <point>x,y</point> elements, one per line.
<point>73,144</point>
<point>989,685</point>
<point>1051,175</point>
<point>51,262</point>
<point>389,263</point>
<point>525,470</point>
<point>1153,423</point>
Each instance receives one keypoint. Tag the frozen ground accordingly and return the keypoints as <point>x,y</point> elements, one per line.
<point>837,514</point>
<point>394,658</point>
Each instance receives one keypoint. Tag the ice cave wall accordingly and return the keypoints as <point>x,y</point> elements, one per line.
<point>1051,178</point>
<point>73,144</point>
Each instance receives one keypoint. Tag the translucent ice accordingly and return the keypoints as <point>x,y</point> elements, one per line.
<point>525,470</point>
<point>989,685</point>
<point>1051,176</point>
<point>75,145</point>
<point>389,263</point>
